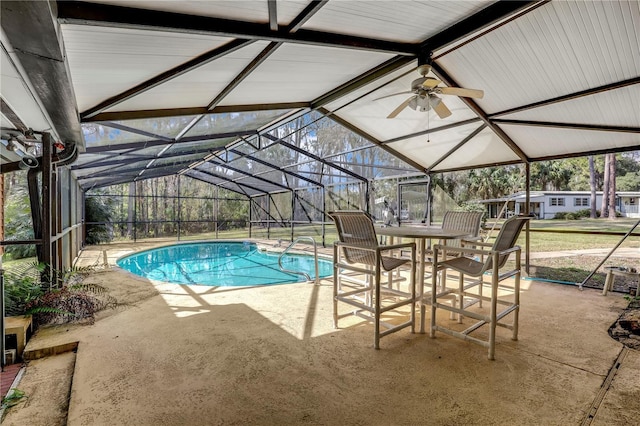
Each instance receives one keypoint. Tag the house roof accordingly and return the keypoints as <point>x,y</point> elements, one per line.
<point>522,195</point>
<point>150,88</point>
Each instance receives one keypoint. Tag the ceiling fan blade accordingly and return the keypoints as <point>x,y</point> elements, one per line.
<point>430,83</point>
<point>393,94</point>
<point>460,91</point>
<point>439,107</point>
<point>400,107</point>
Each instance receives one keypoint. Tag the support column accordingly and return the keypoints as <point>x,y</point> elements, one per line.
<point>47,212</point>
<point>527,200</point>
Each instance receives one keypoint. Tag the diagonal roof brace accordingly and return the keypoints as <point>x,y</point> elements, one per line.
<point>278,168</point>
<point>448,80</point>
<point>226,179</point>
<point>315,157</point>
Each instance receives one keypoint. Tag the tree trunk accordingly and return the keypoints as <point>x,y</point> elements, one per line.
<point>592,185</point>
<point>604,210</point>
<point>612,186</point>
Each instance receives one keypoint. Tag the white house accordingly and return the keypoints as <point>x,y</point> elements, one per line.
<point>545,204</point>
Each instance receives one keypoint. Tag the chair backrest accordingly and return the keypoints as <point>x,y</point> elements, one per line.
<point>356,227</point>
<point>507,237</point>
<point>461,221</point>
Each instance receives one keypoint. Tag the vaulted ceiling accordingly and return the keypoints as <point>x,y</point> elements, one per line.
<point>149,88</point>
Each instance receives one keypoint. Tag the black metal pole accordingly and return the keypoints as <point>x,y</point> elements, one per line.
<point>47,145</point>
<point>527,238</point>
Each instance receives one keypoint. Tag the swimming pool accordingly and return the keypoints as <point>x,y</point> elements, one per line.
<point>221,263</point>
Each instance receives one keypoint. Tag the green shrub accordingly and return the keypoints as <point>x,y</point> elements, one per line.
<point>18,293</point>
<point>66,299</point>
<point>580,214</point>
<point>18,225</point>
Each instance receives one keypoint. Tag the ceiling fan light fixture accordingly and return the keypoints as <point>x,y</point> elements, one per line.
<point>423,103</point>
<point>434,101</point>
<point>414,103</point>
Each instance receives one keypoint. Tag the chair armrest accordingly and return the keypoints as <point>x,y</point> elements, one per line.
<point>463,250</point>
<point>469,250</point>
<point>397,246</point>
<point>374,248</point>
<point>477,242</point>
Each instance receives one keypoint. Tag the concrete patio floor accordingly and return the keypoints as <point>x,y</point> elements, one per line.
<point>192,355</point>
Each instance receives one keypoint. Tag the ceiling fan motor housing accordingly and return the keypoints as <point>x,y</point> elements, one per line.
<point>418,86</point>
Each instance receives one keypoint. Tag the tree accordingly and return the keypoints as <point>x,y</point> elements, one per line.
<point>612,186</point>
<point>592,186</point>
<point>605,187</point>
<point>551,175</point>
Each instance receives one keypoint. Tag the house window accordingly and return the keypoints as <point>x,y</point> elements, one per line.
<point>581,202</point>
<point>632,201</point>
<point>557,201</point>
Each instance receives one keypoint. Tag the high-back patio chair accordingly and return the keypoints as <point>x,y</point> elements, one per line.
<point>487,258</point>
<point>359,263</point>
<point>469,222</point>
<point>461,221</point>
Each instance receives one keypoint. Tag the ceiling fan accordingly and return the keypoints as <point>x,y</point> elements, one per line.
<point>425,95</point>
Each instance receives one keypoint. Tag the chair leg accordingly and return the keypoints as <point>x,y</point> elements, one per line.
<point>516,296</point>
<point>423,320</point>
<point>412,283</point>
<point>336,284</point>
<point>434,292</point>
<point>376,338</point>
<point>494,308</point>
<point>460,296</point>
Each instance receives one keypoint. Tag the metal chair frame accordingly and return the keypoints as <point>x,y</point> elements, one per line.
<point>494,258</point>
<point>359,254</point>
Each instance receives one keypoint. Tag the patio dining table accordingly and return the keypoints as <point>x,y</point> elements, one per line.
<point>421,234</point>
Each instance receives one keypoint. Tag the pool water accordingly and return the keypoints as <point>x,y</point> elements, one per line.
<point>226,264</point>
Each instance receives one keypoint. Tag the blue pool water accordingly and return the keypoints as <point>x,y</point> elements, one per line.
<point>225,264</point>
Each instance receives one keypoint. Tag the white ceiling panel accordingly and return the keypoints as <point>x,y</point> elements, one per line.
<point>384,85</point>
<point>301,73</point>
<point>552,141</point>
<point>4,122</point>
<point>18,95</point>
<point>483,149</point>
<point>427,149</point>
<point>107,61</point>
<point>606,108</point>
<point>404,21</point>
<point>196,88</point>
<point>560,48</point>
